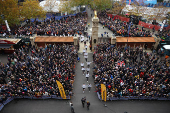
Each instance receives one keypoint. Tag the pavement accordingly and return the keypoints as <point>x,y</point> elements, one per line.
<point>97,106</point>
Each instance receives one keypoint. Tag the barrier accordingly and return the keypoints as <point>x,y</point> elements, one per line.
<point>1,106</point>
<point>134,98</point>
<point>9,99</point>
<point>28,97</point>
<point>98,95</point>
<point>146,25</point>
<point>123,98</point>
<point>110,15</point>
<point>40,97</point>
<point>121,18</point>
<point>167,27</point>
<point>46,97</point>
<point>157,27</point>
<point>162,98</point>
<point>113,98</point>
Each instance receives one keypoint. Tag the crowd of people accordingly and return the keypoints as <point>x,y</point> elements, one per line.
<point>164,34</point>
<point>32,71</point>
<point>122,28</point>
<point>128,71</point>
<point>67,26</point>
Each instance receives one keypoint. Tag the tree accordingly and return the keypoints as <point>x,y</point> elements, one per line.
<point>101,5</point>
<point>50,5</point>
<point>65,6</point>
<point>9,8</point>
<point>137,8</point>
<point>80,2</point>
<point>168,17</point>
<point>118,6</point>
<point>31,9</point>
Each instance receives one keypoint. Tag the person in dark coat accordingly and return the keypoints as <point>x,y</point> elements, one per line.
<point>83,100</point>
<point>88,105</point>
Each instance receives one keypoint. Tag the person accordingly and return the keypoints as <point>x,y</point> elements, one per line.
<point>102,35</point>
<point>107,34</point>
<point>88,105</point>
<point>82,64</point>
<point>88,64</point>
<point>84,42</point>
<point>84,50</point>
<point>86,47</point>
<point>72,108</point>
<point>83,100</point>
<point>87,76</point>
<point>91,15</point>
<point>84,87</point>
<point>83,70</point>
<point>87,39</point>
<point>86,56</point>
<point>82,39</point>
<point>88,69</point>
<point>89,87</point>
<point>88,24</point>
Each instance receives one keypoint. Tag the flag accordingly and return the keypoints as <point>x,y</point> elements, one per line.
<point>129,28</point>
<point>129,2</point>
<point>103,92</point>
<point>61,89</point>
<point>6,22</point>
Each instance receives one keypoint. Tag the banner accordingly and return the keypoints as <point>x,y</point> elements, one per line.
<point>103,92</point>
<point>121,18</point>
<point>61,89</point>
<point>150,1</point>
<point>149,26</point>
<point>7,25</point>
<point>109,15</point>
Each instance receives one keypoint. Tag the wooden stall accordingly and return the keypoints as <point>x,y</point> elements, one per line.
<point>135,41</point>
<point>7,45</point>
<point>41,41</point>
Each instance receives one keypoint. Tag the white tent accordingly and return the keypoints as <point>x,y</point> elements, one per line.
<point>147,10</point>
<point>54,8</point>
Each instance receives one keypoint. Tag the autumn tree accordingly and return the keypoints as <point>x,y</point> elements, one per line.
<point>168,17</point>
<point>32,9</point>
<point>118,6</point>
<point>50,5</point>
<point>9,8</point>
<point>14,13</point>
<point>101,5</point>
<point>65,6</point>
<point>80,2</point>
<point>137,8</point>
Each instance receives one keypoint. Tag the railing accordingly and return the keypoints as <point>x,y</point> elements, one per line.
<point>134,98</point>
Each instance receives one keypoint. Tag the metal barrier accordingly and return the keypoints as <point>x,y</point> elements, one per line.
<point>1,106</point>
<point>134,98</point>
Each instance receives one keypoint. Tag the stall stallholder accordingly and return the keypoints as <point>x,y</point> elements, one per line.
<point>7,45</point>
